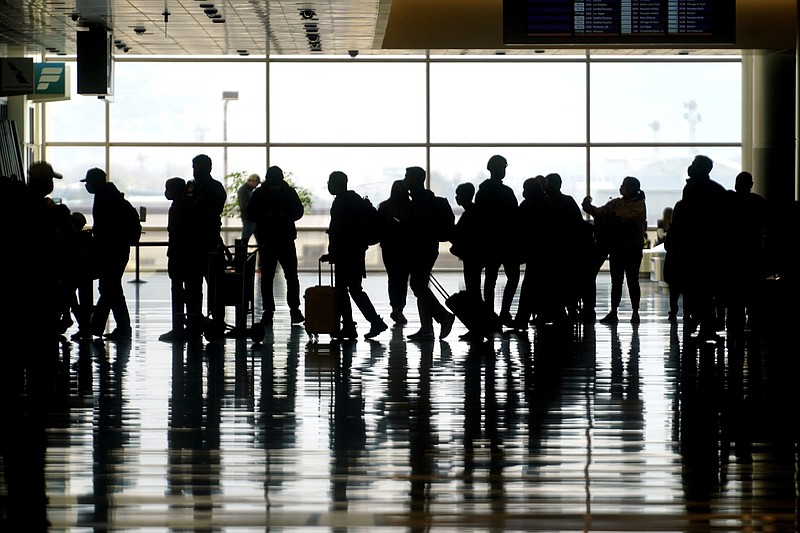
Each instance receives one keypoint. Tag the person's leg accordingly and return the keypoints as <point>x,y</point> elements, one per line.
<point>420,275</point>
<point>617,277</point>
<point>102,307</point>
<point>341,279</point>
<point>119,306</point>
<point>633,263</point>
<point>268,265</point>
<point>491,270</point>
<point>512,272</point>
<point>472,277</point>
<point>288,261</point>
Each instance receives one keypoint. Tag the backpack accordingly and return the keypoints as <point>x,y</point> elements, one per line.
<point>370,223</point>
<point>132,230</point>
<point>443,221</point>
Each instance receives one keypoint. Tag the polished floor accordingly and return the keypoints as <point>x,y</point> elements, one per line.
<point>597,428</point>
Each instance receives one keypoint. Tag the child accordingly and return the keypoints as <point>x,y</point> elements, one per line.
<point>179,231</point>
<point>81,297</point>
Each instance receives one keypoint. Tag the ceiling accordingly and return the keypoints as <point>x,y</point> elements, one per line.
<point>328,27</point>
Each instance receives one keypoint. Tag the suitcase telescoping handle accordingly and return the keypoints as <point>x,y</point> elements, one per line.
<point>319,271</point>
<point>438,286</point>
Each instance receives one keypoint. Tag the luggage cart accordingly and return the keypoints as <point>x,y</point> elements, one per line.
<point>231,283</point>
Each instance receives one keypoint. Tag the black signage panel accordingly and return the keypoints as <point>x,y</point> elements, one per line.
<point>622,22</point>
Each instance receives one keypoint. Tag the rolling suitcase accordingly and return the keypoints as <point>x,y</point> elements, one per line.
<point>322,316</point>
<point>478,316</point>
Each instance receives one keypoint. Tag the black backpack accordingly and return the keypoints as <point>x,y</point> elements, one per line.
<point>370,223</point>
<point>132,225</point>
<point>443,221</point>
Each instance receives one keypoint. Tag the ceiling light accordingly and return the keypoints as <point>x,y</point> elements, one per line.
<point>206,4</point>
<point>211,11</point>
<point>307,14</point>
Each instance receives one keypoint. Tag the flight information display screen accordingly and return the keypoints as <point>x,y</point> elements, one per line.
<point>622,22</point>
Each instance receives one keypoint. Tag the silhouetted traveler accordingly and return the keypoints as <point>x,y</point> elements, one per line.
<point>275,207</point>
<point>111,220</point>
<point>186,264</point>
<point>695,241</point>
<point>422,223</point>
<point>498,208</point>
<point>393,213</point>
<point>749,222</point>
<point>82,280</point>
<point>207,200</point>
<point>564,289</point>
<point>535,214</point>
<point>662,225</point>
<point>347,250</point>
<point>625,220</point>
<point>50,245</point>
<point>468,238</point>
<point>243,195</point>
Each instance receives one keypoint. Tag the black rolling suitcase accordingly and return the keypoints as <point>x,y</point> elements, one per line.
<point>478,316</point>
<point>322,315</point>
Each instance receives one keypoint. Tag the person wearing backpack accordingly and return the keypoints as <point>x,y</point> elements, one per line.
<point>115,228</point>
<point>428,223</point>
<point>347,246</point>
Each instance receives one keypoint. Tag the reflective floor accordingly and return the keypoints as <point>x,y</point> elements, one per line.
<point>599,428</point>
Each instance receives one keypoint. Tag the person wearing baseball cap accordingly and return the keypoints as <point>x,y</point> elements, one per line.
<point>40,178</point>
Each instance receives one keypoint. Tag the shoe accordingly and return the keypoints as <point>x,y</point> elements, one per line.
<point>296,316</point>
<point>422,336</point>
<point>171,336</point>
<point>635,318</point>
<point>447,325</point>
<point>610,318</point>
<point>672,317</point>
<point>398,317</point>
<point>376,329</point>
<point>266,319</point>
<point>118,335</point>
<point>506,319</point>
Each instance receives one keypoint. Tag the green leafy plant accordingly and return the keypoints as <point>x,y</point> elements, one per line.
<point>234,180</point>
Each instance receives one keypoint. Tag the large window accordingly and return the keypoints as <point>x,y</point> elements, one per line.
<point>594,120</point>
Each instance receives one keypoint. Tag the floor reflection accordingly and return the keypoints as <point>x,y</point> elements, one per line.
<point>590,428</point>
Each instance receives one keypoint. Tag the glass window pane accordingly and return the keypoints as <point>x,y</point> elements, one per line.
<point>452,166</point>
<point>661,171</point>
<point>174,101</point>
<point>362,102</point>
<point>370,171</point>
<point>666,102</point>
<point>508,102</point>
<point>79,119</point>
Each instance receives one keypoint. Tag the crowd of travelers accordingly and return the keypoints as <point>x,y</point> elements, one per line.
<point>559,245</point>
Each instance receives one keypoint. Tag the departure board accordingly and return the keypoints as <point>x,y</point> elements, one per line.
<point>622,22</point>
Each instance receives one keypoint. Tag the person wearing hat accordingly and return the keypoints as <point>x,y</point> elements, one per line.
<point>112,214</point>
<point>40,178</point>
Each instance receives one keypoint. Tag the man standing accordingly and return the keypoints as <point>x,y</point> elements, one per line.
<point>243,195</point>
<point>275,207</point>
<point>423,251</point>
<point>498,207</point>
<point>347,250</point>
<point>113,219</point>
<point>692,234</point>
<point>206,200</point>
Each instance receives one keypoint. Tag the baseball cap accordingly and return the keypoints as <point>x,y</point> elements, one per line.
<point>95,175</point>
<point>40,170</point>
